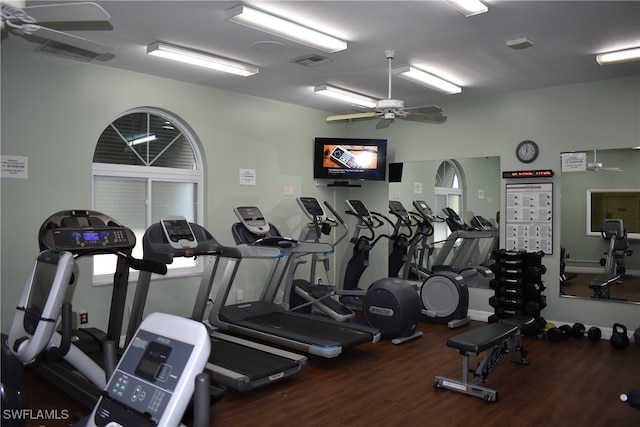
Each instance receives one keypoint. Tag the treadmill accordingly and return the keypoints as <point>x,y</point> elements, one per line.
<point>234,362</point>
<point>264,319</point>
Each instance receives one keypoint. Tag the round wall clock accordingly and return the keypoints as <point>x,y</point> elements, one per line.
<point>527,151</point>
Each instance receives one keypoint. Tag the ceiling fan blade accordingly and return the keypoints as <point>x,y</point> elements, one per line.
<point>383,123</point>
<point>351,116</point>
<point>70,39</point>
<point>426,118</point>
<point>431,109</point>
<point>67,12</point>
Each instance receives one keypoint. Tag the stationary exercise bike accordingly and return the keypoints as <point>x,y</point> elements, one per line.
<point>612,230</point>
<point>64,237</point>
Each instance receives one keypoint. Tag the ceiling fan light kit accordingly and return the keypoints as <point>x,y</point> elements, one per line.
<point>426,79</point>
<point>280,27</point>
<point>468,7</point>
<point>201,59</point>
<point>389,109</point>
<point>619,56</point>
<point>345,95</point>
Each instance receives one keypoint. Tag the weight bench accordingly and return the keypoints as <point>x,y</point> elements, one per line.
<point>601,285</point>
<point>497,339</point>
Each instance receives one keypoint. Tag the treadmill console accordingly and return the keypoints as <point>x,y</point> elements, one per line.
<point>154,380</point>
<point>76,239</point>
<point>178,232</point>
<point>397,208</point>
<point>80,231</point>
<point>358,208</point>
<point>312,209</point>
<point>252,219</point>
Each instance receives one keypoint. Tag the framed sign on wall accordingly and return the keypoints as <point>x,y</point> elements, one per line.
<point>528,220</point>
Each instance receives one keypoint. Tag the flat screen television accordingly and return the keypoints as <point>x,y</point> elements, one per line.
<point>350,159</point>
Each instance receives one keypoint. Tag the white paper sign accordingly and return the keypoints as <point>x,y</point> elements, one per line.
<point>417,188</point>
<point>574,162</point>
<point>15,167</point>
<point>247,177</point>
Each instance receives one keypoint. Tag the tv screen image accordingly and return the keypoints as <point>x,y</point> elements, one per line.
<point>345,159</point>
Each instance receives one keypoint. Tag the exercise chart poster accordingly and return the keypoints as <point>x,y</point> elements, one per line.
<point>528,223</point>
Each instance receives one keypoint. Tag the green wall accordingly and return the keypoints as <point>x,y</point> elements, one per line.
<point>601,114</point>
<point>54,109</point>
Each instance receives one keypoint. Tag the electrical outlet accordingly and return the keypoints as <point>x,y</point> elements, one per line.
<point>239,295</point>
<point>84,317</point>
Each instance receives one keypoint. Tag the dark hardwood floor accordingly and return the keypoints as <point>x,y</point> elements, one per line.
<point>571,383</point>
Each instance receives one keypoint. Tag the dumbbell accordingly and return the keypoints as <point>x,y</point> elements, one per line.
<point>504,290</point>
<point>594,334</point>
<point>567,331</point>
<point>578,330</point>
<point>555,335</point>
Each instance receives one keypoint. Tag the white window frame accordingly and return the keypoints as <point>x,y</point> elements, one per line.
<point>151,174</point>
<point>449,192</point>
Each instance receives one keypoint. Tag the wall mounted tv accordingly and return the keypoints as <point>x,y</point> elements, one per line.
<point>349,159</point>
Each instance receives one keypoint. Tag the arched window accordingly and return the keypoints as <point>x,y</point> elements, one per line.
<point>448,191</point>
<point>147,165</point>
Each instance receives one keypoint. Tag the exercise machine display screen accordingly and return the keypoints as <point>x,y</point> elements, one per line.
<point>81,238</point>
<point>312,208</point>
<point>424,209</point>
<point>145,379</point>
<point>253,219</point>
<point>178,232</point>
<point>397,208</point>
<point>359,209</point>
<point>153,365</point>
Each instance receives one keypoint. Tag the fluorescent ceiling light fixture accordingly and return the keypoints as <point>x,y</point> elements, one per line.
<point>276,26</point>
<point>425,79</point>
<point>142,140</point>
<point>201,59</point>
<point>345,95</point>
<point>626,55</point>
<point>468,7</point>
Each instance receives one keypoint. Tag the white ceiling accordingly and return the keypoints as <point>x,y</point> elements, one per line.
<point>427,34</point>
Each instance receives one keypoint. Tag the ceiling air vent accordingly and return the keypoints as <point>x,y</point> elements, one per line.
<point>311,60</point>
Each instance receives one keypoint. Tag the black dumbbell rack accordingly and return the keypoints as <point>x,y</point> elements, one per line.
<point>518,285</point>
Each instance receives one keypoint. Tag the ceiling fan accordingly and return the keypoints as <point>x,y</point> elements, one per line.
<point>389,109</point>
<point>596,166</point>
<point>33,20</point>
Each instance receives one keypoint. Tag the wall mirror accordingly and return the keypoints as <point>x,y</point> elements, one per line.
<point>598,185</point>
<point>471,186</point>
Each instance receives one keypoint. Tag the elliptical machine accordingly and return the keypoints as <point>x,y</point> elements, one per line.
<point>443,291</point>
<point>390,305</point>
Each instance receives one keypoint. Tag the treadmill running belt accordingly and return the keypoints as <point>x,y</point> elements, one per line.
<point>307,330</point>
<point>253,363</point>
